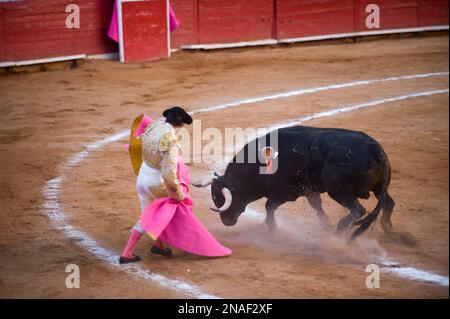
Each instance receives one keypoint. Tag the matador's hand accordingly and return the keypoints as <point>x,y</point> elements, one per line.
<point>176,194</point>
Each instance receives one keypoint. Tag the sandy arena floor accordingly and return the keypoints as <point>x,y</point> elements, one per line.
<point>48,117</point>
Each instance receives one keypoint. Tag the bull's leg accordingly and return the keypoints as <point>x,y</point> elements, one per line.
<point>271,206</point>
<point>355,207</point>
<point>386,223</point>
<point>316,203</point>
<point>388,208</point>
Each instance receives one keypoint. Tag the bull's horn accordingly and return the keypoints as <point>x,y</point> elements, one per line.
<point>228,200</point>
<point>203,184</point>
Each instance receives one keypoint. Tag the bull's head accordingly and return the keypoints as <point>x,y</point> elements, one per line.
<point>225,198</point>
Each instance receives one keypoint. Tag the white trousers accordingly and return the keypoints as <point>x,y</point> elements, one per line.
<point>148,177</point>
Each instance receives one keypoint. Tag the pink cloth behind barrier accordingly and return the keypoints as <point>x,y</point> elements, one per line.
<point>175,223</point>
<point>174,23</point>
<point>113,31</point>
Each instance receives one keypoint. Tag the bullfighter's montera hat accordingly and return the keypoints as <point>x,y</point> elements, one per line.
<point>178,115</point>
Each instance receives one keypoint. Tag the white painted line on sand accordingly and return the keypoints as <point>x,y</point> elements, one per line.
<point>316,89</point>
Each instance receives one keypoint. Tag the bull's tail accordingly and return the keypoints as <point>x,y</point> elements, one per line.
<point>365,222</point>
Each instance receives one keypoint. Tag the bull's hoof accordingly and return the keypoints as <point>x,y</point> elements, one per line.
<point>346,222</point>
<point>343,229</point>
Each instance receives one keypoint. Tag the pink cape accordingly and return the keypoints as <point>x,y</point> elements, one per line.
<point>113,31</point>
<point>175,224</point>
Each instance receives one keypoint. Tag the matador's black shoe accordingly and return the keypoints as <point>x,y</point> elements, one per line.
<point>159,251</point>
<point>126,260</point>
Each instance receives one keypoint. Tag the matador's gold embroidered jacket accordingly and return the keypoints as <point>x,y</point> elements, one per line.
<point>160,150</point>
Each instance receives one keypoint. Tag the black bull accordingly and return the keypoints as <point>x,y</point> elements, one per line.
<point>345,164</point>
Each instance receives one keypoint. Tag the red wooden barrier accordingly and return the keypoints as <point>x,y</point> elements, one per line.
<point>35,29</point>
<point>222,21</point>
<point>187,13</point>
<point>433,12</point>
<point>301,18</point>
<point>145,30</point>
<point>393,14</point>
<point>3,56</point>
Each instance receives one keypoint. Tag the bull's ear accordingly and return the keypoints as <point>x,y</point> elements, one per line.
<point>216,175</point>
